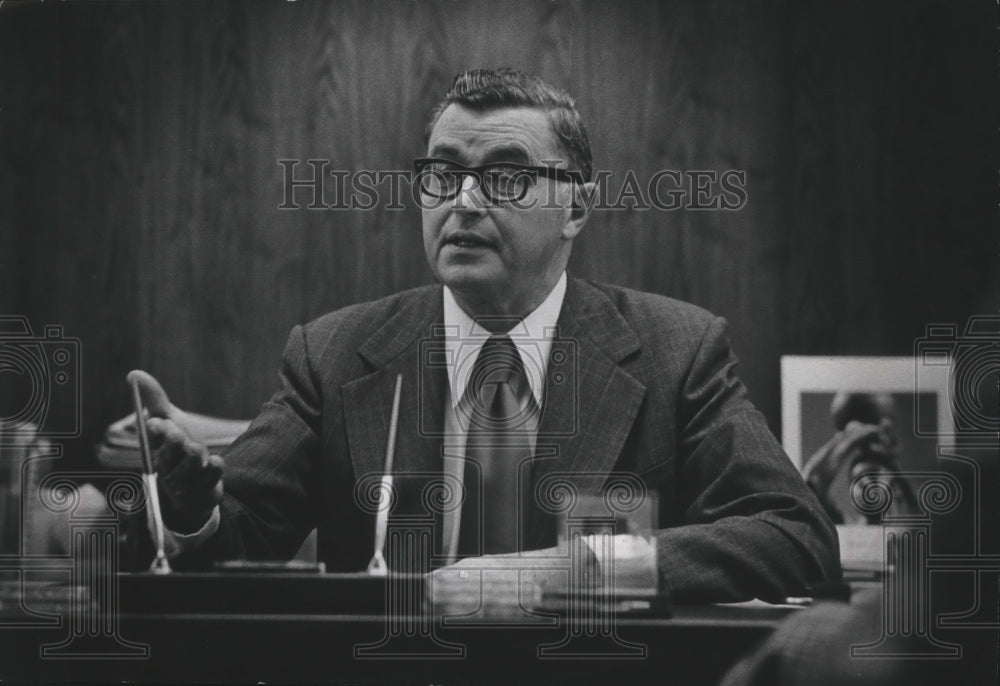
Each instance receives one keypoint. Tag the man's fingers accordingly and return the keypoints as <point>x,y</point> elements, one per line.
<point>853,434</point>
<point>215,466</point>
<point>209,476</point>
<point>195,484</point>
<point>188,461</point>
<point>154,398</point>
<point>169,441</point>
<point>856,429</point>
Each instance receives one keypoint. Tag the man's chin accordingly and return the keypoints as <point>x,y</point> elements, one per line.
<point>469,287</point>
<point>473,277</point>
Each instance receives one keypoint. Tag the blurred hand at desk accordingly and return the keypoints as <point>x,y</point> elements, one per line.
<point>497,585</point>
<point>188,476</point>
<point>505,585</point>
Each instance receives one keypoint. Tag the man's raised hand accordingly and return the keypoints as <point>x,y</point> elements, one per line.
<point>189,477</point>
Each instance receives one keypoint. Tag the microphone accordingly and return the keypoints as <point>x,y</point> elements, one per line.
<point>377,566</point>
<point>160,564</point>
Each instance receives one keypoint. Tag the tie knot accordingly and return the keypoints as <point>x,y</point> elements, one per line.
<point>498,362</point>
<point>499,392</point>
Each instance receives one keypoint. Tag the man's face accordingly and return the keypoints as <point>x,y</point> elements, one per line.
<point>499,258</point>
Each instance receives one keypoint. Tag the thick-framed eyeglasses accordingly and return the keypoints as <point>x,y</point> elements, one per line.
<point>500,181</point>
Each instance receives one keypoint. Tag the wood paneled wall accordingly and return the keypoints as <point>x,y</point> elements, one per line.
<point>140,184</point>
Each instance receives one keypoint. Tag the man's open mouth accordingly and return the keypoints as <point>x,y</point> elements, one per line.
<point>468,242</point>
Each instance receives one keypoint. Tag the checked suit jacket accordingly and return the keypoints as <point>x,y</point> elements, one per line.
<point>638,385</point>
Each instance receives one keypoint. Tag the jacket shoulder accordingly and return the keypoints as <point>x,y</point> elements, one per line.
<point>347,328</point>
<point>643,309</point>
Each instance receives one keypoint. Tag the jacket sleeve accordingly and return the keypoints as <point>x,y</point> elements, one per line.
<point>750,527</point>
<point>270,472</point>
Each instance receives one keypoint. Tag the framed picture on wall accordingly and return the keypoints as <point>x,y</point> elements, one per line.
<point>848,421</point>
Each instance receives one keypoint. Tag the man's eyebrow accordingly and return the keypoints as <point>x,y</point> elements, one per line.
<point>503,153</point>
<point>509,153</point>
<point>445,151</point>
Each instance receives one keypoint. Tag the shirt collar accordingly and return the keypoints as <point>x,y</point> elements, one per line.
<point>532,336</point>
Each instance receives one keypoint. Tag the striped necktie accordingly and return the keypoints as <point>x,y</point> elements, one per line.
<point>500,409</point>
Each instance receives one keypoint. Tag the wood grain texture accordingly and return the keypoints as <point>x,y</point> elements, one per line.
<point>140,193</point>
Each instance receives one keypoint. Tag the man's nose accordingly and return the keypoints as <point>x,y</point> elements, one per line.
<point>470,196</point>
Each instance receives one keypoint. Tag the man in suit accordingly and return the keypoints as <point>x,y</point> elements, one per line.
<point>608,386</point>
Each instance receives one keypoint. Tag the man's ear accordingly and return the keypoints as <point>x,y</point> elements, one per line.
<point>584,197</point>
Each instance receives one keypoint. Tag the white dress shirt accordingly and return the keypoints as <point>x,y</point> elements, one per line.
<point>464,338</point>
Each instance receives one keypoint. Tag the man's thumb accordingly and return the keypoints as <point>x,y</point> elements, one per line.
<point>153,396</point>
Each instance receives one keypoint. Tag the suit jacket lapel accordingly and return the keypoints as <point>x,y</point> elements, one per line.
<point>590,402</point>
<point>399,347</point>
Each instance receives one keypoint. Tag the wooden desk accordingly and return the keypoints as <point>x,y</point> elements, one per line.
<point>694,646</point>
